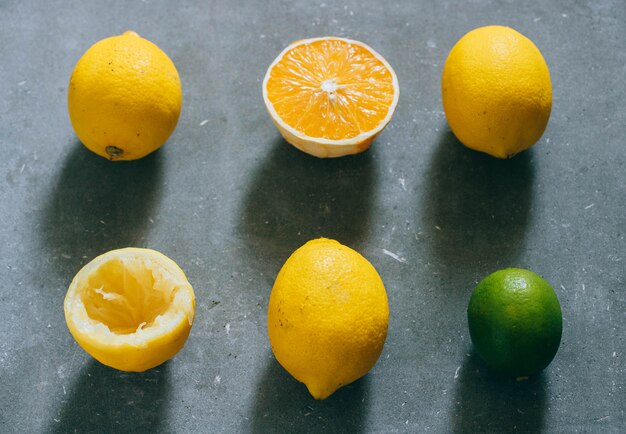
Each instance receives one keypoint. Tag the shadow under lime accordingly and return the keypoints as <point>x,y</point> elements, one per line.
<point>476,208</point>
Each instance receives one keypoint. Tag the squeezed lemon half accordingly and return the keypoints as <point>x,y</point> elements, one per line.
<point>131,309</point>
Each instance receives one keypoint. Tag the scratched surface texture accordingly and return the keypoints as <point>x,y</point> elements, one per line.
<point>229,200</point>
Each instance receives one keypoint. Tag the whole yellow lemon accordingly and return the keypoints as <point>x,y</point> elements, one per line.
<point>124,97</point>
<point>496,91</point>
<point>328,316</point>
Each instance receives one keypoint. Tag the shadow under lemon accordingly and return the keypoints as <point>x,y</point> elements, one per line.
<point>487,402</point>
<point>98,205</point>
<point>476,207</point>
<point>103,399</point>
<point>294,197</point>
<point>283,404</point>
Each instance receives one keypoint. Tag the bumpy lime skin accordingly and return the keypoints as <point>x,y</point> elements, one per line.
<point>515,322</point>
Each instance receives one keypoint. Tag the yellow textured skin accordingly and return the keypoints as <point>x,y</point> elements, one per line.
<point>496,90</point>
<point>124,97</point>
<point>328,316</point>
<point>131,309</point>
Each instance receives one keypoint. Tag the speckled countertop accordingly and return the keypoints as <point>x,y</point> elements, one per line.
<point>229,201</point>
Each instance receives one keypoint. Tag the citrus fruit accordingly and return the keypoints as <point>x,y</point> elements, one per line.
<point>496,91</point>
<point>330,96</point>
<point>131,309</point>
<point>515,322</point>
<point>327,316</point>
<point>124,97</point>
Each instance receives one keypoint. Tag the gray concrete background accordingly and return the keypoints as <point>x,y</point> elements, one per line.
<point>229,201</point>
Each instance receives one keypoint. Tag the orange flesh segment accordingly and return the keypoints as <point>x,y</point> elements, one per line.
<point>330,89</point>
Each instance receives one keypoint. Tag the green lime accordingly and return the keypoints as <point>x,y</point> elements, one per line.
<point>515,322</point>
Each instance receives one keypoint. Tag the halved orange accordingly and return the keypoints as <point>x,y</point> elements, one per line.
<point>330,96</point>
<point>131,309</point>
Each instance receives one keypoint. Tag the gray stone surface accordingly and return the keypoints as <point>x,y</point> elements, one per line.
<point>229,201</point>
